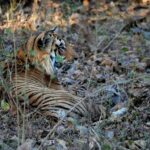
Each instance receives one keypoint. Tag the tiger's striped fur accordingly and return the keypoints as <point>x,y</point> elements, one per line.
<point>31,82</point>
<point>49,100</point>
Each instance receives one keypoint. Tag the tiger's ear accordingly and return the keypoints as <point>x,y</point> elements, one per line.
<point>51,31</point>
<point>54,30</point>
<point>46,38</point>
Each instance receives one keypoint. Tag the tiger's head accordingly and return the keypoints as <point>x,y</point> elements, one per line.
<point>41,51</point>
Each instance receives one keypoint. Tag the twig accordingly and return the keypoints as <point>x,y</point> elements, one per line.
<point>116,35</point>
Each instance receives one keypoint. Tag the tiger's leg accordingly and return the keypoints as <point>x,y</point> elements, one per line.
<point>47,100</point>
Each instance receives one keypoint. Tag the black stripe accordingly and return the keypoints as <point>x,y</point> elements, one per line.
<point>67,103</point>
<point>34,101</point>
<point>35,40</point>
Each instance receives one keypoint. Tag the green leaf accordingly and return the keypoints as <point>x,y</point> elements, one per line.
<point>59,58</point>
<point>32,53</point>
<point>106,147</point>
<point>7,31</point>
<point>124,49</point>
<point>53,77</point>
<point>4,105</point>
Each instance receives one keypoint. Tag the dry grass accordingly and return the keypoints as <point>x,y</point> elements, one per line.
<point>102,39</point>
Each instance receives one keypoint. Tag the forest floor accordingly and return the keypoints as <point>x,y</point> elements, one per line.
<point>112,41</point>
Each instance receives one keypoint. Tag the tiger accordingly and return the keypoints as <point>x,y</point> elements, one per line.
<point>32,82</point>
<point>32,78</point>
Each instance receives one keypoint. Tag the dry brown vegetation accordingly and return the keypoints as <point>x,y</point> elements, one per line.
<point>112,40</point>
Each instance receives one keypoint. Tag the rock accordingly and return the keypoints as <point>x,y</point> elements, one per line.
<point>109,134</point>
<point>83,130</point>
<point>148,124</point>
<point>119,112</point>
<point>141,67</point>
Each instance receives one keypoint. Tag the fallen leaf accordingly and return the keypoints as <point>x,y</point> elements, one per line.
<point>27,145</point>
<point>109,63</point>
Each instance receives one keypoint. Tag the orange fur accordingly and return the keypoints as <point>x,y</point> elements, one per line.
<point>69,54</point>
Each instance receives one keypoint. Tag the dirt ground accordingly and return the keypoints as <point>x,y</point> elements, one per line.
<point>112,41</point>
